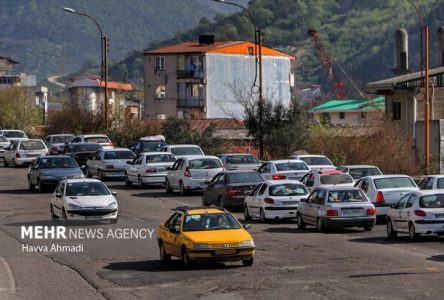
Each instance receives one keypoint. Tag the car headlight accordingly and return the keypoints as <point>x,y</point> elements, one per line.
<point>47,177</point>
<point>78,176</point>
<point>73,206</point>
<point>247,244</point>
<point>112,205</point>
<point>200,246</point>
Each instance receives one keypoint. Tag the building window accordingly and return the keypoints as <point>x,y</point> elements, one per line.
<point>160,116</point>
<point>250,51</point>
<point>363,115</point>
<point>396,111</point>
<point>160,63</point>
<point>160,92</point>
<point>342,115</point>
<point>196,90</point>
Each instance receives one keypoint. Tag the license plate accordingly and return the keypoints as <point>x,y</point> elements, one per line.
<point>33,155</point>
<point>351,212</point>
<point>92,218</point>
<point>439,215</point>
<point>225,252</point>
<point>290,202</point>
<point>161,170</point>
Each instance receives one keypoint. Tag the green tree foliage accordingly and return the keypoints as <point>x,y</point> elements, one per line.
<point>18,110</point>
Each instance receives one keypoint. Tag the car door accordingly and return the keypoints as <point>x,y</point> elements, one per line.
<point>253,207</point>
<point>407,212</point>
<point>93,163</point>
<point>210,189</point>
<point>318,205</point>
<point>10,152</point>
<point>307,211</point>
<point>422,184</point>
<point>136,166</point>
<point>259,198</point>
<point>220,187</point>
<point>264,170</point>
<point>177,173</point>
<point>173,236</point>
<point>396,214</point>
<point>34,171</point>
<point>59,197</point>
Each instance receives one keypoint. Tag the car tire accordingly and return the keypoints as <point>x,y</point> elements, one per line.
<point>262,216</point>
<point>88,173</point>
<point>248,262</point>
<point>100,175</point>
<point>204,200</point>
<point>40,187</point>
<point>319,225</point>
<point>391,233</point>
<point>413,236</point>
<point>53,215</point>
<point>185,258</point>
<point>31,186</point>
<point>64,216</point>
<point>127,181</point>
<point>140,182</point>
<point>301,223</point>
<point>5,164</point>
<point>247,216</point>
<point>368,228</point>
<point>182,189</point>
<point>163,255</point>
<point>168,188</point>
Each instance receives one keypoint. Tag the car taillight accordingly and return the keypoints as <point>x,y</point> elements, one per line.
<point>17,155</point>
<point>269,200</point>
<point>233,191</point>
<point>332,212</point>
<point>278,177</point>
<point>371,211</point>
<point>380,197</point>
<point>420,213</point>
<point>109,166</point>
<point>151,170</point>
<point>187,172</point>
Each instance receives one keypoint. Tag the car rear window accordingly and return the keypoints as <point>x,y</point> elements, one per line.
<point>432,201</point>
<point>204,163</point>
<point>336,178</point>
<point>340,196</point>
<point>186,151</point>
<point>393,182</point>
<point>315,160</point>
<point>87,147</point>
<point>288,189</point>
<point>32,145</point>
<point>97,139</point>
<point>58,162</point>
<point>62,139</point>
<point>357,173</point>
<point>157,158</point>
<point>119,155</point>
<point>152,146</point>
<point>14,134</point>
<point>244,177</point>
<point>440,183</point>
<point>242,159</point>
<point>291,166</point>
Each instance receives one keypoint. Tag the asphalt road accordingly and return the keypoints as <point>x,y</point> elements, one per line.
<point>289,263</point>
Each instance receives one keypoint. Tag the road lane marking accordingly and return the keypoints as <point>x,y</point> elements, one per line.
<point>11,281</point>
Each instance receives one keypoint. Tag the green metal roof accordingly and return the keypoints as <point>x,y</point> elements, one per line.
<point>351,105</point>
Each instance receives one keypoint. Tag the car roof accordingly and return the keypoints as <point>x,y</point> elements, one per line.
<point>434,176</point>
<point>60,134</point>
<point>358,166</point>
<point>308,155</point>
<point>328,172</point>
<point>84,143</point>
<point>199,210</point>
<point>6,130</point>
<point>239,171</point>
<point>236,154</point>
<point>116,149</point>
<point>337,187</point>
<point>30,140</point>
<point>387,176</point>
<point>182,145</point>
<point>189,157</point>
<point>55,156</point>
<point>81,180</point>
<point>157,152</point>
<point>276,182</point>
<point>429,192</point>
<point>286,160</point>
<point>92,135</point>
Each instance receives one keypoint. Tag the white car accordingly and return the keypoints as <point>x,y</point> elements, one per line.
<point>420,212</point>
<point>326,178</point>
<point>274,200</point>
<point>386,190</point>
<point>432,182</point>
<point>83,199</point>
<point>182,150</point>
<point>315,162</point>
<point>149,168</point>
<point>292,169</point>
<point>109,163</point>
<point>336,207</point>
<point>358,171</point>
<point>4,143</point>
<point>240,161</point>
<point>24,152</point>
<point>191,172</point>
<point>14,135</point>
<point>101,139</point>
<point>56,142</point>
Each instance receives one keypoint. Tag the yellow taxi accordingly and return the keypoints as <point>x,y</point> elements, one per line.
<point>204,234</point>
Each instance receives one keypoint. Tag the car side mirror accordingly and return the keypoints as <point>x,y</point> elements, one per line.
<point>303,200</point>
<point>59,195</point>
<point>168,168</point>
<point>129,162</point>
<point>207,182</point>
<point>174,230</point>
<point>114,193</point>
<point>247,226</point>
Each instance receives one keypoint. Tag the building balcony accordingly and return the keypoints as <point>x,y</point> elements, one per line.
<point>190,103</point>
<point>192,77</point>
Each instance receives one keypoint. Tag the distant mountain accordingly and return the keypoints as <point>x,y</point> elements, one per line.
<point>48,41</point>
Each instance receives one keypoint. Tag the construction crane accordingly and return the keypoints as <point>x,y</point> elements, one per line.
<point>337,86</point>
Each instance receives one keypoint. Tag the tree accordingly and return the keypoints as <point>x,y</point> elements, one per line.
<point>17,109</point>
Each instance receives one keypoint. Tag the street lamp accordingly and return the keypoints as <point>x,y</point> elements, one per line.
<point>258,40</point>
<point>104,59</point>
<point>425,75</point>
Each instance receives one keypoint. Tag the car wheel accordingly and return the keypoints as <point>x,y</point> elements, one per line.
<point>53,215</point>
<point>163,255</point>
<point>319,225</point>
<point>247,216</point>
<point>368,228</point>
<point>262,215</point>
<point>168,188</point>
<point>301,223</point>
<point>5,164</point>
<point>140,182</point>
<point>40,187</point>
<point>100,175</point>
<point>391,233</point>
<point>248,262</point>
<point>182,189</point>
<point>204,200</point>
<point>64,216</point>
<point>88,173</point>
<point>127,181</point>
<point>31,186</point>
<point>413,236</point>
<point>185,258</point>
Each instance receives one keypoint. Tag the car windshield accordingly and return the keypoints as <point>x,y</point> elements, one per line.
<point>432,201</point>
<point>87,147</point>
<point>291,166</point>
<point>242,159</point>
<point>58,162</point>
<point>97,139</point>
<point>152,146</point>
<point>62,139</point>
<point>204,163</point>
<point>287,189</point>
<point>121,154</point>
<point>3,139</point>
<point>186,151</point>
<point>159,158</point>
<point>316,160</point>
<point>244,177</point>
<point>357,173</point>
<point>32,145</point>
<point>393,182</point>
<point>340,196</point>
<point>14,134</point>
<point>86,189</point>
<point>205,222</point>
<point>336,178</point>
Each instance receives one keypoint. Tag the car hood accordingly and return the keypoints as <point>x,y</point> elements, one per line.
<point>61,172</point>
<point>218,236</point>
<point>90,201</point>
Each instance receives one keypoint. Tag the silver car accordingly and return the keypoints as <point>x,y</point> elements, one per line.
<point>24,152</point>
<point>336,207</point>
<point>291,169</point>
<point>240,161</point>
<point>358,171</point>
<point>109,163</point>
<point>4,143</point>
<point>56,142</point>
<point>14,135</point>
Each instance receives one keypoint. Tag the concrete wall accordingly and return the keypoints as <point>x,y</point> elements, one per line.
<point>436,141</point>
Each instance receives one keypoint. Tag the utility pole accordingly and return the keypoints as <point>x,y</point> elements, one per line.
<point>105,72</point>
<point>261,96</point>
